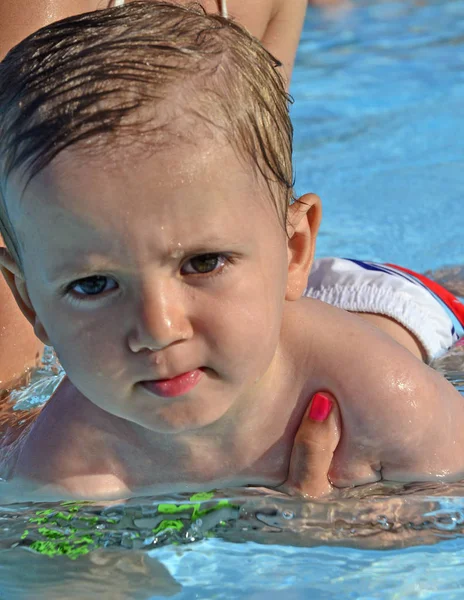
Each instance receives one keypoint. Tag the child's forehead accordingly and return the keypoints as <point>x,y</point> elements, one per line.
<point>127,177</point>
<point>76,210</point>
<point>93,188</point>
<point>164,159</point>
<point>122,150</point>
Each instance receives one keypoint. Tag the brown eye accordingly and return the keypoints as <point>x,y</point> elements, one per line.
<point>204,263</point>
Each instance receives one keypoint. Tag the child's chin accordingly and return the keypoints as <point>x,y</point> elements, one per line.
<point>184,416</point>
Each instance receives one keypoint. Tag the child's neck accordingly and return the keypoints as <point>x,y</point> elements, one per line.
<point>252,444</point>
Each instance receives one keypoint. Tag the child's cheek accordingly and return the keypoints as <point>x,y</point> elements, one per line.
<point>89,348</point>
<point>247,322</point>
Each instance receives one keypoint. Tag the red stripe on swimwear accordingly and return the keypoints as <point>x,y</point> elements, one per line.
<point>455,305</point>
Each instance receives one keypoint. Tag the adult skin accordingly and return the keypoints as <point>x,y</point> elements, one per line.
<point>277,23</point>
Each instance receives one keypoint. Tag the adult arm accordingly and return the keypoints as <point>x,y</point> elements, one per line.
<point>277,23</point>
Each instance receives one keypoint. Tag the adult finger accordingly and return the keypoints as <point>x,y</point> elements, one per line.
<point>313,449</point>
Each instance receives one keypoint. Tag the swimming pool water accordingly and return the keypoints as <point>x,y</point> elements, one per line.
<point>379,135</point>
<point>379,130</point>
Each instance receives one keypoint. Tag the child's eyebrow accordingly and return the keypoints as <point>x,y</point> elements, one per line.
<point>209,247</point>
<point>67,271</point>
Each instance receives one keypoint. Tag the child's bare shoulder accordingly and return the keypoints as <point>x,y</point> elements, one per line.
<point>61,453</point>
<point>351,351</point>
<point>401,420</point>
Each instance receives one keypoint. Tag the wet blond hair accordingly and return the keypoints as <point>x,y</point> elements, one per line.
<point>86,80</point>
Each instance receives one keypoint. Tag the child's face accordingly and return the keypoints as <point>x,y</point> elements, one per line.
<point>146,268</point>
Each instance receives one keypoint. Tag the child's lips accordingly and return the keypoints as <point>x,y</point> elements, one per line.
<point>175,386</point>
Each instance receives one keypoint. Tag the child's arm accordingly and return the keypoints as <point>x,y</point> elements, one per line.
<point>392,417</point>
<point>401,420</point>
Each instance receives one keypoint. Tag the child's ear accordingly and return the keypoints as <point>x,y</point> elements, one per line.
<point>304,217</point>
<point>14,277</point>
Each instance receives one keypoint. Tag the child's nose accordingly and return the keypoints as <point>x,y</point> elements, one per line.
<point>161,319</point>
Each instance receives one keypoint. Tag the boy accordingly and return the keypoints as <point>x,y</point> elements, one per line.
<point>153,242</point>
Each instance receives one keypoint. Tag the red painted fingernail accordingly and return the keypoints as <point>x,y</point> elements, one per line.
<point>320,407</point>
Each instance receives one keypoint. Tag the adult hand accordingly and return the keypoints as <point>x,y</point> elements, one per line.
<point>315,443</point>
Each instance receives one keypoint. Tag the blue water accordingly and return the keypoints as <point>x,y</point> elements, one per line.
<point>379,130</point>
<point>379,135</point>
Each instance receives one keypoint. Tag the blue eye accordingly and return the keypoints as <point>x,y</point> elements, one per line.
<point>203,264</point>
<point>92,286</point>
